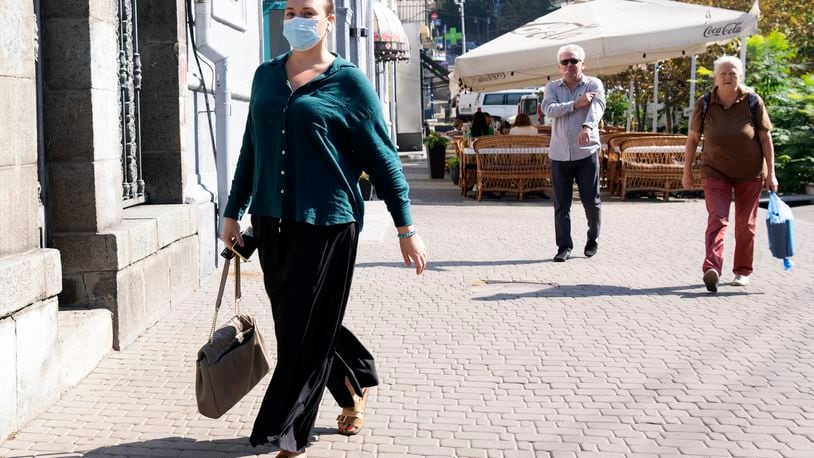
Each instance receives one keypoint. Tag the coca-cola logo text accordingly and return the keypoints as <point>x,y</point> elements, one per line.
<point>489,77</point>
<point>732,28</point>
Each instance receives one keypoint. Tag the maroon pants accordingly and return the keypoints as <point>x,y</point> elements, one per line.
<point>718,195</point>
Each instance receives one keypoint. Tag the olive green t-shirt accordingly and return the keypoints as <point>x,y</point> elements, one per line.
<point>731,144</point>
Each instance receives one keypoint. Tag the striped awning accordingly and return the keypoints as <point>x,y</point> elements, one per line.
<point>389,38</point>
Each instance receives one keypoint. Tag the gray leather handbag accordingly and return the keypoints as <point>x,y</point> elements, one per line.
<point>234,359</point>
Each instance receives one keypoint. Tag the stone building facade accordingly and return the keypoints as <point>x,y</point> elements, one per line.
<point>82,271</point>
<point>109,172</point>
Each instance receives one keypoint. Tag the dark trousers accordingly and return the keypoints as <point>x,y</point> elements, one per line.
<point>563,175</point>
<point>307,271</point>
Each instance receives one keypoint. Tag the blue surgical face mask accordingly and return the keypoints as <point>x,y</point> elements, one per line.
<point>302,33</point>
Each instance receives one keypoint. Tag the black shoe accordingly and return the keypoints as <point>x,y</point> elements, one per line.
<point>590,248</point>
<point>562,255</point>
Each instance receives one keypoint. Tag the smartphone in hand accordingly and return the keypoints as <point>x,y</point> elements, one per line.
<point>245,251</point>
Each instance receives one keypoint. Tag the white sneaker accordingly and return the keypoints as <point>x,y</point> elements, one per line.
<point>711,280</point>
<point>740,280</point>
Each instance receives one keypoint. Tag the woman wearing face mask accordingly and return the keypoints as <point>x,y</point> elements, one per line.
<point>314,125</point>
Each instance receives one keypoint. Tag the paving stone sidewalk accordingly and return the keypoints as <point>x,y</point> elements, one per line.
<point>498,352</point>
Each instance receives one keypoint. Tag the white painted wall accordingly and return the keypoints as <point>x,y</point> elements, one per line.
<point>238,32</point>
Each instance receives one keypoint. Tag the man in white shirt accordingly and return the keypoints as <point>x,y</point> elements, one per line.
<point>575,103</point>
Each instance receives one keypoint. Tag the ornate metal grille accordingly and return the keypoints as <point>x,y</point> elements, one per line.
<point>133,192</point>
<point>414,10</point>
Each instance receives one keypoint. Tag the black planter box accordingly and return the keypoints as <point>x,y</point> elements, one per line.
<point>436,156</point>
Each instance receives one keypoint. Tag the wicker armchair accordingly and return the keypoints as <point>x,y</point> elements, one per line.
<point>459,142</point>
<point>611,163</point>
<point>653,164</point>
<point>524,168</point>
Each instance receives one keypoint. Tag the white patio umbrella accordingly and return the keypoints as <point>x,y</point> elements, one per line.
<point>614,33</point>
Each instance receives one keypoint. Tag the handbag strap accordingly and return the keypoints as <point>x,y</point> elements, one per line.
<point>223,277</point>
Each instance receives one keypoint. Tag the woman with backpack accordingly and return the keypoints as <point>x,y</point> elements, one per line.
<point>738,158</point>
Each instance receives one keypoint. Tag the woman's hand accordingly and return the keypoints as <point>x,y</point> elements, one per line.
<point>231,231</point>
<point>687,180</point>
<point>771,182</point>
<point>413,251</point>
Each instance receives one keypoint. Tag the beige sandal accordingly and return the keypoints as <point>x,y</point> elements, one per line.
<point>287,454</point>
<point>351,420</point>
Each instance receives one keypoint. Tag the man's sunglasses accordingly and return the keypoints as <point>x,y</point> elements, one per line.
<point>565,62</point>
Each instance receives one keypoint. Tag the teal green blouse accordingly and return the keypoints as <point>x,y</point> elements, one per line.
<point>303,151</point>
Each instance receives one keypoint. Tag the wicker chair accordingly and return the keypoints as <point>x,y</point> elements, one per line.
<point>458,143</point>
<point>611,163</point>
<point>645,166</point>
<point>525,169</point>
<point>544,129</point>
<point>466,180</point>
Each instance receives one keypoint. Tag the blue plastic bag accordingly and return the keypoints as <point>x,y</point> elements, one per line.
<point>780,225</point>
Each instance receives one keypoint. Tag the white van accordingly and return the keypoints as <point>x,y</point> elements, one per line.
<point>499,104</point>
<point>502,104</point>
<point>465,105</point>
<point>532,105</point>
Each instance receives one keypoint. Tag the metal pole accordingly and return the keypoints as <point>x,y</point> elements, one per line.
<point>743,57</point>
<point>463,29</point>
<point>693,68</point>
<point>631,101</point>
<point>655,96</point>
<point>463,25</point>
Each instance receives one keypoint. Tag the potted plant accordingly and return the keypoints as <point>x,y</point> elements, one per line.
<point>436,153</point>
<point>454,167</point>
<point>365,186</point>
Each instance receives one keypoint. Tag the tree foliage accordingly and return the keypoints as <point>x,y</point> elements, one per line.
<point>616,104</point>
<point>790,102</point>
<point>514,13</point>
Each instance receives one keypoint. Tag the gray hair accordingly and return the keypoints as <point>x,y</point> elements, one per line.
<point>734,61</point>
<point>576,50</point>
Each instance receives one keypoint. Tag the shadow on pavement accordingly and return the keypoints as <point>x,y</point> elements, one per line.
<point>439,266</point>
<point>192,448</point>
<point>508,290</point>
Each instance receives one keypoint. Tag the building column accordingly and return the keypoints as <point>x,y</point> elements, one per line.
<point>29,275</point>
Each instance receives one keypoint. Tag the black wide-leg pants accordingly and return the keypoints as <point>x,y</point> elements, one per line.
<point>307,272</point>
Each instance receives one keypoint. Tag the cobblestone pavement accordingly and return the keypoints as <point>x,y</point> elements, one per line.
<point>498,352</point>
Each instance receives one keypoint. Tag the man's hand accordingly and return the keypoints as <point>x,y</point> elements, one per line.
<point>584,137</point>
<point>585,100</point>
